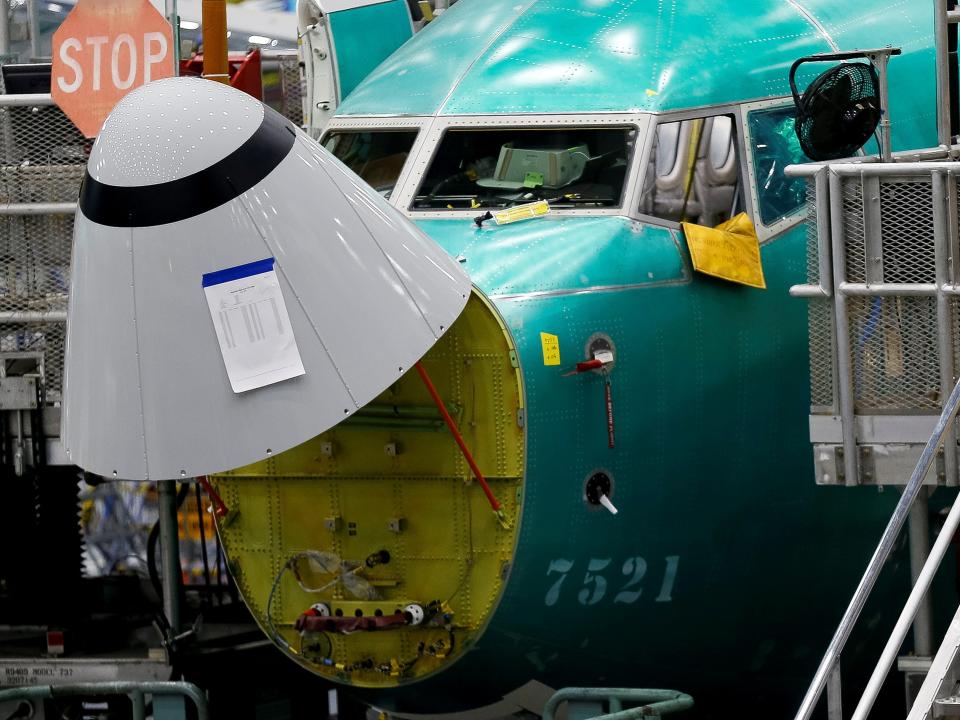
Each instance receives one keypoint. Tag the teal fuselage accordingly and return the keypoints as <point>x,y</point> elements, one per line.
<point>727,567</point>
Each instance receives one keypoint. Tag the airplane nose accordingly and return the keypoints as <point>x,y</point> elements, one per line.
<point>235,290</point>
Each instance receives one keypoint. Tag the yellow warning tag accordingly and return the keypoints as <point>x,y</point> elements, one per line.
<point>551,348</point>
<point>521,212</point>
<point>730,251</point>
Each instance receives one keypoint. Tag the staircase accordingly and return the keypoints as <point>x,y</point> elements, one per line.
<point>884,318</point>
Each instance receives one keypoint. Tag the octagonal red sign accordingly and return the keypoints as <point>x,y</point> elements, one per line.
<point>102,51</point>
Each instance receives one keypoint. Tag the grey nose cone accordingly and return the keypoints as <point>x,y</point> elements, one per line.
<point>192,179</point>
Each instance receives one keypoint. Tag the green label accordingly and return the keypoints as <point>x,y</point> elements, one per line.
<point>533,179</point>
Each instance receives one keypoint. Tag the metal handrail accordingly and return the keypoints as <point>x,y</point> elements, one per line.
<point>653,703</point>
<point>940,153</point>
<point>909,612</point>
<point>882,553</point>
<point>135,690</point>
<point>26,99</point>
<point>38,208</point>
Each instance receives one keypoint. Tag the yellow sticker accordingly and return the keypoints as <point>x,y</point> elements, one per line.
<point>551,348</point>
<point>521,212</point>
<point>730,251</point>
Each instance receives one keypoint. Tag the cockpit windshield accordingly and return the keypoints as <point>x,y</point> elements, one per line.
<point>377,157</point>
<point>569,167</point>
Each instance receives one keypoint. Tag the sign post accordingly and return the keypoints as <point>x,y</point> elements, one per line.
<point>102,51</point>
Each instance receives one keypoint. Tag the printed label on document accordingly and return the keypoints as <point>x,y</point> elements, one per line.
<point>252,325</point>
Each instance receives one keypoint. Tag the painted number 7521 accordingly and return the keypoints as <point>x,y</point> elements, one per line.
<point>595,586</point>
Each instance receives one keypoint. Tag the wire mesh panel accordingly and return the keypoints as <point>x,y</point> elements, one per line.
<point>884,325</point>
<point>853,231</point>
<point>283,84</point>
<point>819,318</point>
<point>906,215</point>
<point>42,160</point>
<point>889,239</point>
<point>895,354</point>
<point>42,339</point>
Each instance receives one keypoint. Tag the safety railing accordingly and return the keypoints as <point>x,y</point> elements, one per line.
<point>42,160</point>
<point>648,703</point>
<point>136,691</point>
<point>885,347</point>
<point>831,660</point>
<point>884,333</point>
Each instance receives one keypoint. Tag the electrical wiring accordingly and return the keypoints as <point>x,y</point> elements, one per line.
<point>322,559</point>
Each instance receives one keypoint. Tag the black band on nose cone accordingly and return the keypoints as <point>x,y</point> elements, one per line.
<point>194,194</point>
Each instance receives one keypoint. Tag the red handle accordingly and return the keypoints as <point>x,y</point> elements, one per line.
<point>220,508</point>
<point>456,436</point>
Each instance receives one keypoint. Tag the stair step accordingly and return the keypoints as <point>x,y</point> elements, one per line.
<point>914,663</point>
<point>947,707</point>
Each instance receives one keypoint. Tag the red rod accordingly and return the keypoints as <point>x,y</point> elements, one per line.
<point>220,507</point>
<point>609,397</point>
<point>458,437</point>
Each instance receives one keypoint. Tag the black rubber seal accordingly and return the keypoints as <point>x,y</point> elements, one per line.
<point>195,194</point>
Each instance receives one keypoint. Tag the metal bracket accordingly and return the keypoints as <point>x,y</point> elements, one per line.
<point>18,393</point>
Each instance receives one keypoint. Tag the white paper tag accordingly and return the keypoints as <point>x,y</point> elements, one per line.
<point>252,325</point>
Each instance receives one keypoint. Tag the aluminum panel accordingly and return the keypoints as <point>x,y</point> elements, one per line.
<point>102,420</point>
<point>408,246</point>
<point>148,394</point>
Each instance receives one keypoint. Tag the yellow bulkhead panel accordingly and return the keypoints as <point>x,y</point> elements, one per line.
<point>389,482</point>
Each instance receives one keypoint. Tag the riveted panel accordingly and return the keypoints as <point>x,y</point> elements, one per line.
<point>383,512</point>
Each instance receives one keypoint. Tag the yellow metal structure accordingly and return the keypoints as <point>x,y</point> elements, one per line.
<point>390,478</point>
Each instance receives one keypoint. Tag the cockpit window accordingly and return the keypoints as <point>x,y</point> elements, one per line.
<point>569,167</point>
<point>694,172</point>
<point>376,156</point>
<point>775,145</point>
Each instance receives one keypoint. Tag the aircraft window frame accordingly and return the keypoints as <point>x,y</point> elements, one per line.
<point>348,123</point>
<point>373,166</point>
<point>766,232</point>
<point>734,112</point>
<point>405,197</point>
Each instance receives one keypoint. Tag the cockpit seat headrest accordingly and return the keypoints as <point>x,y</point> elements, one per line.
<point>718,154</point>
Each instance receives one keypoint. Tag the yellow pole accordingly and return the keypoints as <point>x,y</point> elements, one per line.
<point>215,41</point>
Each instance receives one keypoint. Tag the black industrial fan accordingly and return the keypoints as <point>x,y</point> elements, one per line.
<point>839,111</point>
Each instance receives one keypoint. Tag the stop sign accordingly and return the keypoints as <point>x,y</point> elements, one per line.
<point>102,51</point>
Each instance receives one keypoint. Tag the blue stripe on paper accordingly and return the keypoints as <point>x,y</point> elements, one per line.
<point>217,277</point>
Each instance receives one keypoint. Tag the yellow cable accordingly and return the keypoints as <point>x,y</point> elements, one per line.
<point>693,149</point>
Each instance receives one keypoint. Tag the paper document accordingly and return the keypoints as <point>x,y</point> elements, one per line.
<point>252,325</point>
